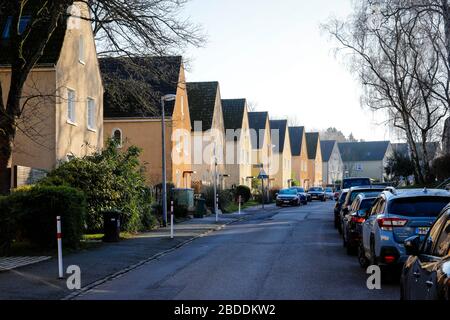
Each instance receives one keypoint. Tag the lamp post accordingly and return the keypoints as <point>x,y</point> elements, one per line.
<point>167,97</point>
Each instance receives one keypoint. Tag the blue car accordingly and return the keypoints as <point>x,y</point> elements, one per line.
<point>397,215</point>
<point>302,194</point>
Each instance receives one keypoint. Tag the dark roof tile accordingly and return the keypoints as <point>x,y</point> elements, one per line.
<point>134,86</point>
<point>363,151</point>
<point>257,122</point>
<point>202,102</point>
<point>296,137</point>
<point>312,141</point>
<point>327,146</point>
<point>281,126</point>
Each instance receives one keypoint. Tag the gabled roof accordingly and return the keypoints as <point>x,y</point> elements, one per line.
<point>281,126</point>
<point>363,151</point>
<point>312,141</point>
<point>296,137</point>
<point>202,102</point>
<point>128,80</point>
<point>52,51</point>
<point>257,122</point>
<point>433,149</point>
<point>233,113</point>
<point>327,146</point>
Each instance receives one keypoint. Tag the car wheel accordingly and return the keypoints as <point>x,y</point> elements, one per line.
<point>336,223</point>
<point>363,261</point>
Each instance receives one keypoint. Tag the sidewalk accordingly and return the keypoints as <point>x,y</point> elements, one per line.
<point>39,281</point>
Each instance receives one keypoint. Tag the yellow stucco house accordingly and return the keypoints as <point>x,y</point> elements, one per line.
<point>314,160</point>
<point>281,169</point>
<point>64,117</point>
<point>132,123</point>
<point>207,136</point>
<point>262,147</point>
<point>299,152</point>
<point>238,151</point>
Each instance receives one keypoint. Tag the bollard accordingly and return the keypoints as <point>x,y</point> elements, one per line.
<point>217,207</point>
<point>240,205</point>
<point>171,219</point>
<point>59,240</point>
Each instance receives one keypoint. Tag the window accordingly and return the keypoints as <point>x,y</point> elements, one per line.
<point>443,243</point>
<point>81,49</point>
<point>71,106</point>
<point>23,23</point>
<point>117,136</point>
<point>91,114</point>
<point>359,167</point>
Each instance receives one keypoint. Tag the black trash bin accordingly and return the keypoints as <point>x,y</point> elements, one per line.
<point>111,226</point>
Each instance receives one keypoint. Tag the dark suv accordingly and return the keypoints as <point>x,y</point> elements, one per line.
<point>337,208</point>
<point>348,183</point>
<point>369,191</point>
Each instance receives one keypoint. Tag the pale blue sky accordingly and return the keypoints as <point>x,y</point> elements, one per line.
<point>274,54</point>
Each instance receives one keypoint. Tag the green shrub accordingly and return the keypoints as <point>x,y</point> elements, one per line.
<point>8,225</point>
<point>110,180</point>
<point>30,214</point>
<point>39,208</point>
<point>244,192</point>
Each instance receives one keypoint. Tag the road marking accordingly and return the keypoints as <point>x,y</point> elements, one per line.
<point>10,263</point>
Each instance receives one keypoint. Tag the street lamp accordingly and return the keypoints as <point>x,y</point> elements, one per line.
<point>164,99</point>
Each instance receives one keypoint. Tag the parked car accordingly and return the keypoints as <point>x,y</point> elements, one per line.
<point>302,194</point>
<point>337,194</point>
<point>317,193</point>
<point>352,226</point>
<point>395,217</point>
<point>338,207</point>
<point>348,183</point>
<point>287,197</point>
<point>426,273</point>
<point>329,193</point>
<point>353,192</point>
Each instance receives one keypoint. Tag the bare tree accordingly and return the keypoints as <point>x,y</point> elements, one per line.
<point>121,27</point>
<point>389,54</point>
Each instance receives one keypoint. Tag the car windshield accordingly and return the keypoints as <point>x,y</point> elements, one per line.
<point>329,190</point>
<point>418,206</point>
<point>355,183</point>
<point>288,192</point>
<point>299,189</point>
<point>316,189</point>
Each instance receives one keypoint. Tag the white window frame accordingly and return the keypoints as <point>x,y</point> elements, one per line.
<point>91,114</point>
<point>121,136</point>
<point>71,107</point>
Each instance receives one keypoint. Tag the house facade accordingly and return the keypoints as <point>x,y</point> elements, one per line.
<point>64,117</point>
<point>299,152</point>
<point>132,123</point>
<point>281,169</point>
<point>238,152</point>
<point>314,160</point>
<point>207,135</point>
<point>262,150</point>
<point>365,159</point>
<point>332,165</point>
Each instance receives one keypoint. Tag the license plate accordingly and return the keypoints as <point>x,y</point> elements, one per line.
<point>422,230</point>
<point>286,201</point>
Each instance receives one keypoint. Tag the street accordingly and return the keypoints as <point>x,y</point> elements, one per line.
<point>292,254</point>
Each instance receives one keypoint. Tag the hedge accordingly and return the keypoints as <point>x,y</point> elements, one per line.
<point>30,214</point>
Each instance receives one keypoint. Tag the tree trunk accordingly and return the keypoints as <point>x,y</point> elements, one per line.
<point>6,138</point>
<point>414,154</point>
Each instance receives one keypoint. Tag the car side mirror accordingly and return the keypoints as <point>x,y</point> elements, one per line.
<point>412,245</point>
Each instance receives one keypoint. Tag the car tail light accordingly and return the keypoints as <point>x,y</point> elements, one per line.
<point>388,224</point>
<point>358,219</point>
<point>390,259</point>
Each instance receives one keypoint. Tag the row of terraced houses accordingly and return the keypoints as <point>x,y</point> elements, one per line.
<point>208,136</point>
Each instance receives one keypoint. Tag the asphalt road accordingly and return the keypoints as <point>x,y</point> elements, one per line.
<point>294,254</point>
